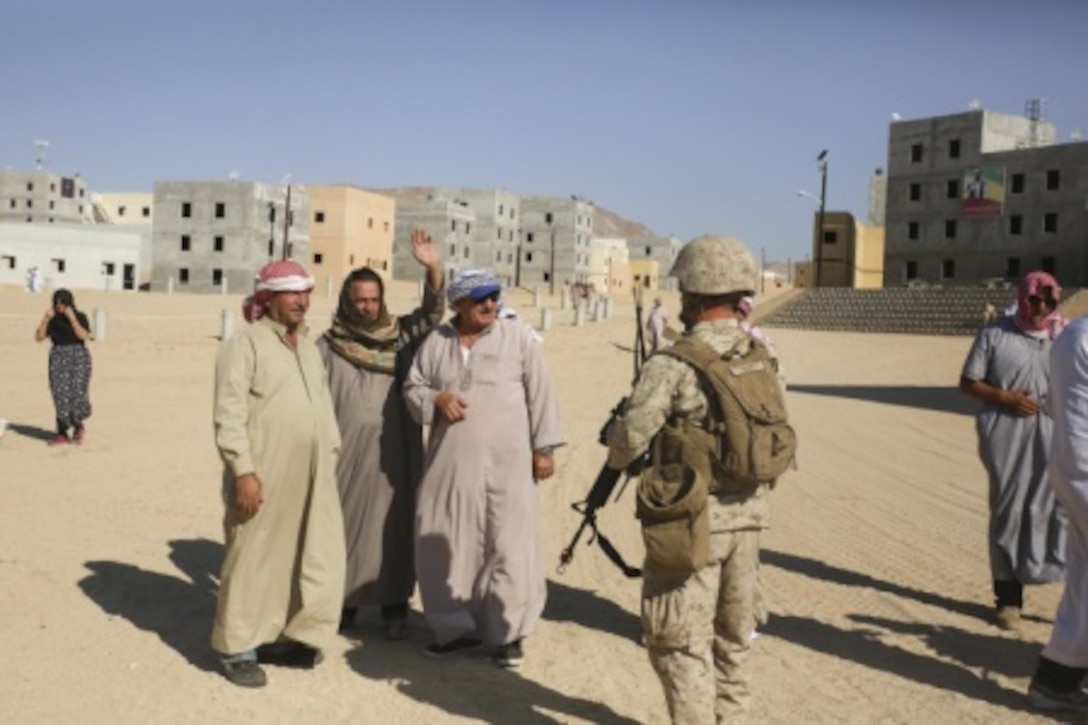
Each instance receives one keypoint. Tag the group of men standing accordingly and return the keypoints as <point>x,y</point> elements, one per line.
<point>332,503</point>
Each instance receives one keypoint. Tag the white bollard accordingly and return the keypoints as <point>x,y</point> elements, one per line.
<point>169,285</point>
<point>226,325</point>
<point>545,320</point>
<point>537,297</point>
<point>579,315</point>
<point>99,325</point>
<point>223,285</point>
<point>328,287</point>
<point>563,300</point>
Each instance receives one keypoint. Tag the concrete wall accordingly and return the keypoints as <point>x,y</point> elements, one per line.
<point>249,233</point>
<point>70,255</point>
<point>563,227</point>
<point>930,238</point>
<point>452,226</point>
<point>497,230</point>
<point>38,196</point>
<point>661,249</point>
<point>645,273</point>
<point>131,211</point>
<point>350,228</point>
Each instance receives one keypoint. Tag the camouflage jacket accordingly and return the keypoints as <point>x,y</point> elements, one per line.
<point>668,387</point>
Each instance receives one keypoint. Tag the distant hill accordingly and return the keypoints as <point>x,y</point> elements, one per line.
<point>605,223</point>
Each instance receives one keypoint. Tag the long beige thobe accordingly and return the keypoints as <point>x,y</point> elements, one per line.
<point>477,526</point>
<point>381,463</point>
<point>283,574</point>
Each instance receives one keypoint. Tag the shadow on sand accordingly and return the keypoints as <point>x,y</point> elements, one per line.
<point>941,399</point>
<point>31,431</point>
<point>179,610</point>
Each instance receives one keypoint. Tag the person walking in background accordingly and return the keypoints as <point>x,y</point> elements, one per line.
<point>481,384</point>
<point>1063,663</point>
<point>282,581</point>
<point>367,353</point>
<point>69,366</point>
<point>1008,369</point>
<point>656,324</point>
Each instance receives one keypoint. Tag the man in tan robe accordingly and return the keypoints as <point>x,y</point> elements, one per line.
<point>283,574</point>
<point>481,384</point>
<point>367,352</point>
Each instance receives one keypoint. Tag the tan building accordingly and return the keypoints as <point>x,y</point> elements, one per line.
<point>644,273</point>
<point>350,228</point>
<point>609,268</point>
<point>846,253</point>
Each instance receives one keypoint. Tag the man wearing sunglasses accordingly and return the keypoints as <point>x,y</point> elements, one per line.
<point>481,384</point>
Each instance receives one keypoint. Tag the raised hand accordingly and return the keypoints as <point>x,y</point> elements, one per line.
<point>424,250</point>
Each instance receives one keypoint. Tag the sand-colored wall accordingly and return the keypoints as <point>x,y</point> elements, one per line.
<point>350,228</point>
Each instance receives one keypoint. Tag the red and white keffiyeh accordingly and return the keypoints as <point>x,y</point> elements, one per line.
<point>280,276</point>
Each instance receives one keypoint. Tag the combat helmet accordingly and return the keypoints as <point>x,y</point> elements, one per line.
<point>713,265</point>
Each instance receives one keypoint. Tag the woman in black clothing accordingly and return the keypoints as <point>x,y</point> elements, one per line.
<point>69,365</point>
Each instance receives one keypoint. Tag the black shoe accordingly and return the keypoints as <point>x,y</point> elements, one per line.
<point>1049,699</point>
<point>441,651</point>
<point>395,621</point>
<point>347,618</point>
<point>509,655</point>
<point>246,673</point>
<point>289,654</point>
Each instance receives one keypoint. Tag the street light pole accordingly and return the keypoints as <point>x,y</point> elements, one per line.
<point>822,161</point>
<point>287,223</point>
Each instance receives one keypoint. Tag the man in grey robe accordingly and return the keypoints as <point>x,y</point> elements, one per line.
<point>367,352</point>
<point>481,384</point>
<point>283,572</point>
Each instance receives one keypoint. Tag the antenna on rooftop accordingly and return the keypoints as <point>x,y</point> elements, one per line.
<point>41,145</point>
<point>1035,110</point>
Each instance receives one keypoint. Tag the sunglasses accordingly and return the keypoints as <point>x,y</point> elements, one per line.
<point>492,297</point>
<point>1037,300</point>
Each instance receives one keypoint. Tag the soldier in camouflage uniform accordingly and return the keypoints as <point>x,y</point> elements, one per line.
<point>698,633</point>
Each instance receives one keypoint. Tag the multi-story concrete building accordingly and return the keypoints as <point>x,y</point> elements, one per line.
<point>979,195</point>
<point>42,197</point>
<point>213,236</point>
<point>495,237</point>
<point>72,255</point>
<point>130,211</point>
<point>609,269</point>
<point>662,250</point>
<point>350,228</point>
<point>451,224</point>
<point>556,235</point>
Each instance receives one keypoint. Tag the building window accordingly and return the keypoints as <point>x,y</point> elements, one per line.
<point>465,255</point>
<point>510,235</point>
<point>948,269</point>
<point>453,225</point>
<point>52,205</point>
<point>319,217</point>
<point>513,213</point>
<point>911,269</point>
<point>528,256</point>
<point>12,204</point>
<point>500,209</point>
<point>318,257</point>
<point>468,227</point>
<point>1016,224</point>
<point>1048,265</point>
<point>29,203</point>
<point>220,210</point>
<point>81,193</point>
<point>120,211</point>
<point>1012,267</point>
<point>30,186</point>
<point>108,268</point>
<point>548,218</point>
<point>217,276</point>
<point>183,275</point>
<point>1050,222</point>
<point>915,192</point>
<point>831,236</point>
<point>385,264</point>
<point>186,212</point>
<point>509,258</point>
<point>916,153</point>
<point>59,264</point>
<point>217,244</point>
<point>1053,180</point>
<point>528,237</point>
<point>52,187</point>
<point>186,242</point>
<point>370,223</point>
<point>547,277</point>
<point>498,233</point>
<point>498,256</point>
<point>953,189</point>
<point>453,250</point>
<point>146,211</point>
<point>649,251</point>
<point>1016,184</point>
<point>385,228</point>
<point>950,229</point>
<point>954,148</point>
<point>10,262</point>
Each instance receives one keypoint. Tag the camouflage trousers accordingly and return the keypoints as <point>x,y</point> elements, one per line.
<point>698,633</point>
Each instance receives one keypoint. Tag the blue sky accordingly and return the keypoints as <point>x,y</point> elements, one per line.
<point>690,116</point>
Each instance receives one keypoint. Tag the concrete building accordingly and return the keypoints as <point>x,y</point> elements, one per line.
<point>451,224</point>
<point>213,236</point>
<point>130,211</point>
<point>495,235</point>
<point>645,273</point>
<point>555,250</point>
<point>75,256</point>
<point>609,267</point>
<point>42,197</point>
<point>852,254</point>
<point>663,250</point>
<point>980,195</point>
<point>350,228</point>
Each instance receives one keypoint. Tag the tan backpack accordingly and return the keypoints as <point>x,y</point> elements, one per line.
<point>747,434</point>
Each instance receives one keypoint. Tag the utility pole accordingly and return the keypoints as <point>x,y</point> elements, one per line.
<point>287,224</point>
<point>822,161</point>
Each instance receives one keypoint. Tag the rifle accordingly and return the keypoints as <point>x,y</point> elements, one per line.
<point>609,477</point>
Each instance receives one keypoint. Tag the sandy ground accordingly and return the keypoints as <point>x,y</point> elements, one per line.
<point>875,568</point>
